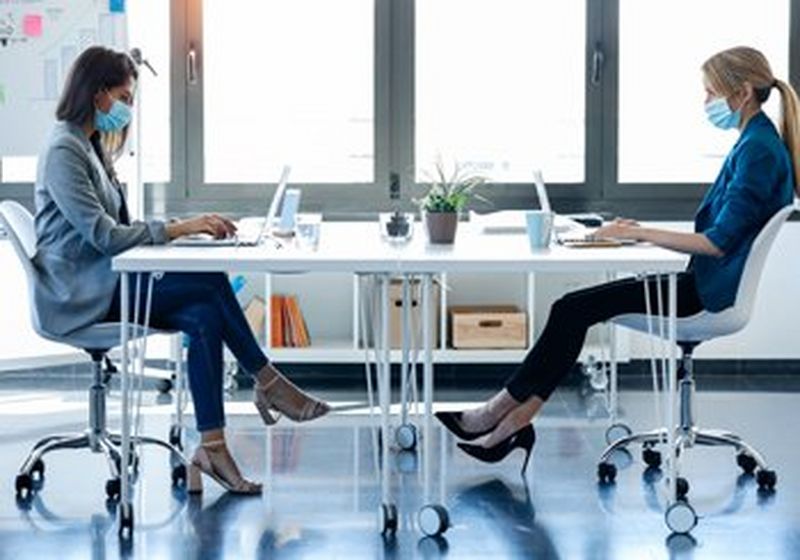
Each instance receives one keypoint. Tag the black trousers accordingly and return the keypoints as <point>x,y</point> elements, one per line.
<point>560,343</point>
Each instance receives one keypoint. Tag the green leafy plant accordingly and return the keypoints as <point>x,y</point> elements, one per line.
<point>450,192</point>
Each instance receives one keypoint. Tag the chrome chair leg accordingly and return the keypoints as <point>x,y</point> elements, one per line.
<point>652,437</point>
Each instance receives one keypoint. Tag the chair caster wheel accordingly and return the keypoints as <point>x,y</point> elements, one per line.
<point>681,488</point>
<point>747,463</point>
<point>113,488</point>
<point>23,486</point>
<point>651,457</point>
<point>616,432</point>
<point>164,386</point>
<point>126,523</point>
<point>766,480</point>
<point>37,470</point>
<point>606,473</point>
<point>680,518</point>
<point>179,476</point>
<point>433,520</point>
<point>387,519</point>
<point>175,437</point>
<point>406,436</point>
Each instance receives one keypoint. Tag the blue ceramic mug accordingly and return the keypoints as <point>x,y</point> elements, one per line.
<point>540,228</point>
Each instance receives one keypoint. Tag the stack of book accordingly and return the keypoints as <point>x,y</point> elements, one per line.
<point>288,328</point>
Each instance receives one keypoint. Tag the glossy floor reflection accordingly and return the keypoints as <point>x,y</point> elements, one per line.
<point>323,494</point>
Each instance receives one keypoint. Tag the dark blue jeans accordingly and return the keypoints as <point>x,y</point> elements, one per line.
<point>203,306</point>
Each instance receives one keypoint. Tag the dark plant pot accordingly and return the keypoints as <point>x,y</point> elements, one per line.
<point>441,226</point>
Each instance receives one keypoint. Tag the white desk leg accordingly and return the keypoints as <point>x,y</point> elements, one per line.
<point>680,516</point>
<point>388,511</point>
<point>176,431</point>
<point>126,507</point>
<point>616,430</point>
<point>427,386</point>
<point>433,518</point>
<point>405,434</point>
<point>673,382</point>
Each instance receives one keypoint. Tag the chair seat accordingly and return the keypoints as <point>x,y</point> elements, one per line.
<point>694,328</point>
<point>101,336</point>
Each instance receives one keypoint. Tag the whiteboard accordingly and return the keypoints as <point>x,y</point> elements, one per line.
<point>39,41</point>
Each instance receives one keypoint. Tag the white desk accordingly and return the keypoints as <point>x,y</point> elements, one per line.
<point>357,248</point>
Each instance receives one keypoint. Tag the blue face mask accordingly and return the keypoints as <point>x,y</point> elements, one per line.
<point>720,115</point>
<point>117,118</point>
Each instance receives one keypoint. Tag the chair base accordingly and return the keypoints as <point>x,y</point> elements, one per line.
<point>747,457</point>
<point>685,439</point>
<point>31,474</point>
<point>687,435</point>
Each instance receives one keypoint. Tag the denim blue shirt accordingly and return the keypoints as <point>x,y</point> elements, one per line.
<point>756,181</point>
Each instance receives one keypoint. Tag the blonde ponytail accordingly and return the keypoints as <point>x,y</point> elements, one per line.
<point>790,127</point>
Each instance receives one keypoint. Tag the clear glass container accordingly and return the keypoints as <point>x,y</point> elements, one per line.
<point>396,227</point>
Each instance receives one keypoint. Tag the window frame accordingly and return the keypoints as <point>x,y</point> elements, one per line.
<point>394,100</point>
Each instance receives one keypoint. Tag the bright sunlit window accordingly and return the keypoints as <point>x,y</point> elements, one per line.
<point>500,87</point>
<point>288,82</point>
<point>663,133</point>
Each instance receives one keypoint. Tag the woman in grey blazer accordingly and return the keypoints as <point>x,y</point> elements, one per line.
<point>82,222</point>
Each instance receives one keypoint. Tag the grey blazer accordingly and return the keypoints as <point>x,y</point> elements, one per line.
<point>78,230</point>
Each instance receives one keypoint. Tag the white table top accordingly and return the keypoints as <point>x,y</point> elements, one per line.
<point>357,247</point>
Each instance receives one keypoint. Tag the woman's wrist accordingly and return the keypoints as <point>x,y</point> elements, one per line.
<point>174,230</point>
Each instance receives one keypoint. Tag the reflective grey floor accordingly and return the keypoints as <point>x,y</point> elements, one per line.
<point>322,492</point>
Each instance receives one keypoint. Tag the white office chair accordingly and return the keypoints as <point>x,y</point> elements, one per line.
<point>95,340</point>
<point>691,332</point>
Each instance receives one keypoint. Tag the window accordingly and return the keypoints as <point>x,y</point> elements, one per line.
<point>288,82</point>
<point>18,169</point>
<point>663,134</point>
<point>492,93</point>
<point>148,30</point>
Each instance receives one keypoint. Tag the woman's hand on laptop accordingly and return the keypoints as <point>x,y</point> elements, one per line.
<point>214,225</point>
<point>620,228</point>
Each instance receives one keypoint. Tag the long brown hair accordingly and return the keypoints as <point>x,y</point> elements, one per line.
<point>95,70</point>
<point>728,70</point>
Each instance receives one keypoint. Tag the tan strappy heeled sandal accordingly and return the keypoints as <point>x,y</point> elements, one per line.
<point>226,475</point>
<point>281,395</point>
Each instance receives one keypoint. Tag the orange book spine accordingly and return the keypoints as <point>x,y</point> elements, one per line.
<point>298,323</point>
<point>288,330</point>
<point>276,321</point>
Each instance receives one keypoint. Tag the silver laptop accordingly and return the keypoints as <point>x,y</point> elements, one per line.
<point>246,235</point>
<point>513,221</point>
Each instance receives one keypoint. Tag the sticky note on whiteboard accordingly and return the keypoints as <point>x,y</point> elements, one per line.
<point>32,25</point>
<point>116,6</point>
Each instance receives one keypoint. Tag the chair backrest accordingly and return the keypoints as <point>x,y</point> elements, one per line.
<point>18,224</point>
<point>754,266</point>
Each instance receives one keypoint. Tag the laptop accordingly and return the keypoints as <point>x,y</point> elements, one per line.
<point>250,231</point>
<point>513,221</point>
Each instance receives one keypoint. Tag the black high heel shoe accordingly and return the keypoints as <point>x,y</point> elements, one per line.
<point>452,421</point>
<point>524,438</point>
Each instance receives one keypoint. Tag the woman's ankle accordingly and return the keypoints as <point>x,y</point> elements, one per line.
<point>212,438</point>
<point>267,375</point>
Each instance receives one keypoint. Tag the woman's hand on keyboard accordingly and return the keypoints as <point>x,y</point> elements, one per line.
<point>212,224</point>
<point>620,228</point>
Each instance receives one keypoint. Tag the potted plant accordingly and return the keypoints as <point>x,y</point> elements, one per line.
<point>447,195</point>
